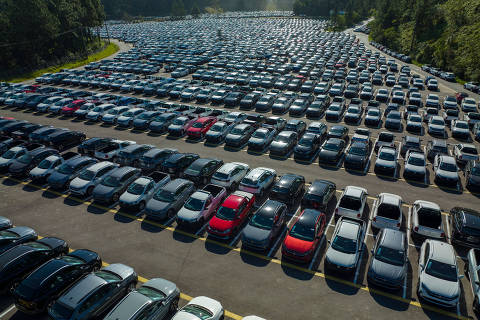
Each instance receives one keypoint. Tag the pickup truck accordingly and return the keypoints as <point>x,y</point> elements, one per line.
<point>111,150</point>
<point>48,165</point>
<point>142,190</point>
<point>472,271</point>
<point>427,219</point>
<point>231,215</point>
<point>201,205</point>
<point>385,139</point>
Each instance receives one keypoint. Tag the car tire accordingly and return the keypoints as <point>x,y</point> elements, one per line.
<point>170,213</point>
<point>89,191</point>
<point>173,306</point>
<point>131,287</point>
<point>115,197</point>
<point>141,205</point>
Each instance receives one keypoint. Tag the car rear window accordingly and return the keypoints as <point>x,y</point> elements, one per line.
<point>350,203</point>
<point>388,211</point>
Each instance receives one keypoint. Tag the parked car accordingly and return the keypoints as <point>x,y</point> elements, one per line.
<point>283,143</point>
<point>261,138</point>
<point>465,152</point>
<point>45,168</point>
<point>218,132</point>
<point>472,175</point>
<point>201,205</point>
<point>352,202</point>
<point>63,174</point>
<point>114,184</point>
<point>15,236</point>
<point>387,161</point>
<point>200,127</point>
<point>387,211</point>
<point>308,146</point>
<point>258,181</point>
<point>460,130</point>
<point>465,226</point>
<point>89,146</point>
<point>24,164</point>
<point>154,158</point>
<point>142,190</point>
<point>344,250</point>
<point>64,139</point>
<point>438,278</point>
<point>239,135</point>
<point>471,271</point>
<point>201,306</point>
<point>230,175</point>
<point>446,171</point>
<point>288,189</point>
<point>427,220</point>
<point>201,170</point>
<point>331,151</point>
<point>357,156</point>
<point>95,293</point>
<point>176,163</point>
<point>389,263</point>
<point>230,216</point>
<point>169,199</point>
<point>131,154</point>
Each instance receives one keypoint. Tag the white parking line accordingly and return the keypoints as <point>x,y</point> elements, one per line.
<point>399,148</point>
<point>404,293</point>
<point>369,161</point>
<point>447,235</point>
<point>357,272</point>
<point>280,237</point>
<point>200,231</point>
<point>315,254</point>
<point>7,311</point>
<point>234,241</point>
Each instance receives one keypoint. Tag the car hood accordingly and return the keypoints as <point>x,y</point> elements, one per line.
<point>256,141</point>
<point>18,166</point>
<point>440,286</point>
<point>328,154</point>
<point>214,133</point>
<point>155,205</point>
<point>385,163</point>
<point>332,112</point>
<point>340,258</point>
<point>78,183</point>
<point>445,174</point>
<point>220,224</point>
<point>123,118</point>
<point>278,145</point>
<point>233,137</point>
<point>102,190</point>
<point>58,177</point>
<point>387,271</point>
<point>297,245</point>
<point>130,198</point>
<point>256,234</point>
<point>354,158</point>
<point>140,121</point>
<point>188,215</point>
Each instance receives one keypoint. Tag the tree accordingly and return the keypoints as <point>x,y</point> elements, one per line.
<point>178,8</point>
<point>195,10</point>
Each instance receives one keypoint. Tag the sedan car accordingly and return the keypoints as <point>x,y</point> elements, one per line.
<point>307,146</point>
<point>446,171</point>
<point>200,308</point>
<point>261,138</point>
<point>176,163</point>
<point>357,156</point>
<point>19,261</point>
<point>201,170</point>
<point>155,299</point>
<point>114,184</point>
<point>169,199</point>
<point>344,251</point>
<point>239,135</point>
<point>415,166</point>
<point>373,117</point>
<point>331,152</point>
<point>12,237</point>
<point>387,161</point>
<point>48,282</point>
<point>389,264</point>
<point>465,152</point>
<point>266,224</point>
<point>438,278</point>
<point>95,293</point>
<point>258,181</point>
<point>283,143</point>
<point>460,130</point>
<point>230,174</point>
<point>288,188</point>
<point>340,132</point>
<point>304,236</point>
<point>61,177</point>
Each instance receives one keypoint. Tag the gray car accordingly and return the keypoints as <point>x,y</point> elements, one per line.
<point>93,295</point>
<point>154,300</point>
<point>142,190</point>
<point>389,263</point>
<point>90,177</point>
<point>114,184</point>
<point>169,199</point>
<point>266,224</point>
<point>5,223</point>
<point>12,237</point>
<point>69,170</point>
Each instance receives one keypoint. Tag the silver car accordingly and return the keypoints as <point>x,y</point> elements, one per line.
<point>230,174</point>
<point>352,202</point>
<point>258,181</point>
<point>45,168</point>
<point>142,190</point>
<point>84,184</point>
<point>438,278</point>
<point>154,300</point>
<point>201,308</point>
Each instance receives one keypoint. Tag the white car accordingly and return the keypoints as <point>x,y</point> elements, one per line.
<point>200,308</point>
<point>230,174</point>
<point>469,105</point>
<point>258,181</point>
<point>437,126</point>
<point>252,318</point>
<point>438,278</point>
<point>427,219</point>
<point>84,184</point>
<point>387,211</point>
<point>45,168</point>
<point>465,152</point>
<point>352,202</point>
<point>446,171</point>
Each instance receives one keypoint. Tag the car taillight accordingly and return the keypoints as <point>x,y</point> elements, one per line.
<point>106,156</point>
<point>416,229</point>
<point>374,219</point>
<point>358,215</point>
<point>442,234</point>
<point>398,224</point>
<point>336,211</point>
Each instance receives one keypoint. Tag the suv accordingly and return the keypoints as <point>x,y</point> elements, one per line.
<point>352,202</point>
<point>465,224</point>
<point>258,181</point>
<point>230,174</point>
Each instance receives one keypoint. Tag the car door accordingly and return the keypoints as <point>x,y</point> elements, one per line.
<point>149,189</point>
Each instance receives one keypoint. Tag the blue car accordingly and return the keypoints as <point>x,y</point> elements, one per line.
<point>69,170</point>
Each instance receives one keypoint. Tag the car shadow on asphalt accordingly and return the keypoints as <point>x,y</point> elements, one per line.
<point>124,216</point>
<point>73,201</point>
<point>52,194</point>
<point>10,182</point>
<point>257,259</point>
<point>340,283</point>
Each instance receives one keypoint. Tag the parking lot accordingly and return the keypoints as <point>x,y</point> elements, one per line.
<point>246,282</point>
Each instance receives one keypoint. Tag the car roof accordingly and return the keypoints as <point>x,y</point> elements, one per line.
<point>353,191</point>
<point>390,198</point>
<point>393,239</point>
<point>412,139</point>
<point>319,186</point>
<point>228,167</point>
<point>438,142</point>
<point>308,217</point>
<point>81,289</point>
<point>348,228</point>
<point>442,252</point>
<point>120,172</point>
<point>257,172</point>
<point>175,184</point>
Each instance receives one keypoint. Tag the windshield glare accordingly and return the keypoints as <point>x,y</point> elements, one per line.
<point>136,188</point>
<point>87,175</point>
<point>194,204</point>
<point>344,245</point>
<point>164,196</point>
<point>226,213</point>
<point>45,164</point>
<point>303,232</point>
<point>442,270</point>
<point>390,256</point>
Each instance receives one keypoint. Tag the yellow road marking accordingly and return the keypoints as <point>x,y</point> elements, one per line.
<point>254,254</point>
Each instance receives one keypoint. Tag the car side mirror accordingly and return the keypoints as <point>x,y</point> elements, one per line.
<point>329,241</point>
<point>461,276</point>
<point>477,283</point>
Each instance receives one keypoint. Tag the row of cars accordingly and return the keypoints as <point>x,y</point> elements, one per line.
<point>226,214</point>
<point>45,275</point>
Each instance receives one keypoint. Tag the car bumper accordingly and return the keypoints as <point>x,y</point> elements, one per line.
<point>436,300</point>
<point>384,283</point>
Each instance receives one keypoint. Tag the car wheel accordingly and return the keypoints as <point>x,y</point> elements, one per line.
<point>141,205</point>
<point>131,287</point>
<point>89,191</point>
<point>115,197</point>
<point>173,306</point>
<point>170,213</point>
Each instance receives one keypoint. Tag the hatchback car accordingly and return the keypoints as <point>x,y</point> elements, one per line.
<point>465,225</point>
<point>288,188</point>
<point>61,177</point>
<point>169,199</point>
<point>387,211</point>
<point>283,143</point>
<point>177,162</point>
<point>331,152</point>
<point>352,202</point>
<point>446,171</point>
<point>114,184</point>
<point>258,181</point>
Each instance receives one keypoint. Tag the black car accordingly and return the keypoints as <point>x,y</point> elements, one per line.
<point>176,163</point>
<point>317,108</point>
<point>409,143</point>
<point>331,151</point>
<point>30,160</point>
<point>41,134</point>
<point>201,170</point>
<point>154,158</point>
<point>233,98</point>
<point>13,126</point>
<point>357,155</point>
<point>52,279</point>
<point>12,237</point>
<point>307,146</point>
<point>354,114</point>
<point>249,100</point>
<point>436,147</point>
<point>19,261</point>
<point>88,147</point>
<point>319,195</point>
<point>340,132</point>
<point>64,139</point>
<point>283,143</point>
<point>24,133</point>
<point>465,224</point>
<point>298,107</point>
<point>472,175</point>
<point>288,188</point>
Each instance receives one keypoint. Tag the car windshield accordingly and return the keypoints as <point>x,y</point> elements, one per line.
<point>303,231</point>
<point>461,125</point>
<point>110,181</point>
<point>331,146</point>
<point>438,122</point>
<point>8,234</point>
<point>9,154</point>
<point>198,125</point>
<point>259,134</point>
<point>373,113</point>
<point>26,158</point>
<point>199,312</point>
<point>164,196</point>
<point>226,213</point>
<point>390,256</point>
<point>45,164</point>
<point>334,107</point>
<point>359,151</point>
<point>136,188</point>
<point>283,139</point>
<point>416,161</point>
<point>37,246</point>
<point>469,150</point>
<point>442,270</point>
<point>87,175</point>
<point>237,131</point>
<point>388,156</point>
<point>179,122</point>
<point>448,167</point>
<point>97,109</point>
<point>351,203</point>
<point>306,142</point>
<point>144,116</point>
<point>344,244</point>
<point>108,276</point>
<point>151,293</point>
<point>66,169</point>
<point>194,204</point>
<point>262,221</point>
<point>127,114</point>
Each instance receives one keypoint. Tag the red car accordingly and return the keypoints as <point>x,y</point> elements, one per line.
<point>32,88</point>
<point>73,106</point>
<point>200,127</point>
<point>231,214</point>
<point>460,96</point>
<point>304,236</point>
